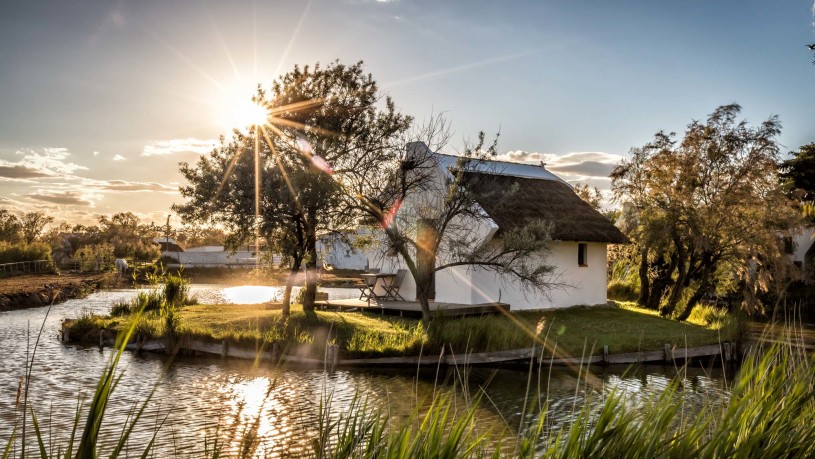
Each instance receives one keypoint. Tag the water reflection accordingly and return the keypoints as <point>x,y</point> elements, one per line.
<point>254,294</point>
<point>200,400</point>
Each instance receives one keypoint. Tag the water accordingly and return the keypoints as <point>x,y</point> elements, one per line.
<point>201,399</point>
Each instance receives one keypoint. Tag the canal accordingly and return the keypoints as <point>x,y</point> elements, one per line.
<point>198,400</point>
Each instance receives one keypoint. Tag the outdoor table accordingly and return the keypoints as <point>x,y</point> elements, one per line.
<point>385,277</point>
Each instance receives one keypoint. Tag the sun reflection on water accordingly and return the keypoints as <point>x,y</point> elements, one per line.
<point>251,294</point>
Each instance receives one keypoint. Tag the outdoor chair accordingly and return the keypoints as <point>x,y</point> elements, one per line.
<point>392,288</point>
<point>367,289</point>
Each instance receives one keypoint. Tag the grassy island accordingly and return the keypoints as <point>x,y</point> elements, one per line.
<point>575,332</point>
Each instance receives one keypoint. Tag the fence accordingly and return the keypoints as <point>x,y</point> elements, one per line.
<point>25,267</point>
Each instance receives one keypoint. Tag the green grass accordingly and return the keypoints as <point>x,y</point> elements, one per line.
<point>769,414</point>
<point>574,331</point>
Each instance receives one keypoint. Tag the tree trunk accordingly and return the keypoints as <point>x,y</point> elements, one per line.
<point>294,270</point>
<point>310,294</point>
<point>660,283</point>
<point>694,300</point>
<point>705,284</point>
<point>681,276</point>
<point>423,286</point>
<point>645,290</point>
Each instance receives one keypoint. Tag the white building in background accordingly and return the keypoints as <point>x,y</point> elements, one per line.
<point>208,256</point>
<point>803,250</point>
<point>339,254</point>
<point>578,252</point>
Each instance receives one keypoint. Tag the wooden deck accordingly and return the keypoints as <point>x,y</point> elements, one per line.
<point>412,308</point>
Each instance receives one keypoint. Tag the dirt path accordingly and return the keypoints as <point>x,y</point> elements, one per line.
<point>32,290</point>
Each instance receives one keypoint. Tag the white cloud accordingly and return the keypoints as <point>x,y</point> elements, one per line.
<point>73,198</point>
<point>584,165</point>
<point>96,153</point>
<point>590,168</point>
<point>50,163</point>
<point>119,158</point>
<point>168,147</point>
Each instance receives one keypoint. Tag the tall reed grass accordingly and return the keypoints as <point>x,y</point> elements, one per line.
<point>770,414</point>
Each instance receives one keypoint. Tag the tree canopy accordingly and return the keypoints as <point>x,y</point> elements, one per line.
<point>325,124</point>
<point>706,212</point>
<point>798,176</point>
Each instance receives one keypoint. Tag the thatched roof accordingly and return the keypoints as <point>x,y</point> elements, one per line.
<point>572,218</point>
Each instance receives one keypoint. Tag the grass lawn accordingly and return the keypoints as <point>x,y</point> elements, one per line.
<point>576,331</point>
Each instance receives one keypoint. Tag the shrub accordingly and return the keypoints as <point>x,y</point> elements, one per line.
<point>622,291</point>
<point>14,253</point>
<point>121,308</point>
<point>95,257</point>
<point>176,290</point>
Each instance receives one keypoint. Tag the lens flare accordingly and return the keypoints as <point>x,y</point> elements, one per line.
<point>390,215</point>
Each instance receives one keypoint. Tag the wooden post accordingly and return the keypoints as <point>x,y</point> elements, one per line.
<point>332,357</point>
<point>726,353</point>
<point>275,352</point>
<point>224,349</point>
<point>101,338</point>
<point>669,355</point>
<point>605,355</point>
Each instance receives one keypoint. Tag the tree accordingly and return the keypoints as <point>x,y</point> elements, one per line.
<point>434,222</point>
<point>323,123</point>
<point>129,237</point>
<point>798,176</point>
<point>593,196</point>
<point>10,229</point>
<point>706,212</point>
<point>32,224</point>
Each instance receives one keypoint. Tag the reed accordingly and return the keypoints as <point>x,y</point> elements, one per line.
<point>769,414</point>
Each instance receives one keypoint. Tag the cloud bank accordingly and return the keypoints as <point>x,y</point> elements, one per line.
<point>168,147</point>
<point>589,167</point>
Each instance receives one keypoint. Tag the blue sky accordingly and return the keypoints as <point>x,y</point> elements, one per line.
<point>99,101</point>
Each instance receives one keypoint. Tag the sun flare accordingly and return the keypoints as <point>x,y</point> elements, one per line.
<point>247,113</point>
<point>235,108</point>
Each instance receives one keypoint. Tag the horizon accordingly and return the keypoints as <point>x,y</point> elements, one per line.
<point>102,101</point>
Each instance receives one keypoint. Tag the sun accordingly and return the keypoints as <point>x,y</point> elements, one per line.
<point>247,113</point>
<point>235,108</point>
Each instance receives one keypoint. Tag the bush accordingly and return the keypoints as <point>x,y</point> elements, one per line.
<point>14,253</point>
<point>95,257</point>
<point>622,291</point>
<point>121,308</point>
<point>176,290</point>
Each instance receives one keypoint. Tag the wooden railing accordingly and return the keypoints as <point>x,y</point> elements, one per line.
<point>25,267</point>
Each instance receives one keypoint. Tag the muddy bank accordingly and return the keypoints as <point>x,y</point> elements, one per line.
<point>31,291</point>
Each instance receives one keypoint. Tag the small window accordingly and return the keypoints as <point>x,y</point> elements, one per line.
<point>789,246</point>
<point>582,254</point>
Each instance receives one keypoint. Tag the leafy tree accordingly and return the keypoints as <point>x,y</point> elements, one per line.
<point>798,176</point>
<point>434,222</point>
<point>10,228</point>
<point>126,234</point>
<point>323,124</point>
<point>32,225</point>
<point>95,257</point>
<point>129,237</point>
<point>593,196</point>
<point>195,235</point>
<point>706,212</point>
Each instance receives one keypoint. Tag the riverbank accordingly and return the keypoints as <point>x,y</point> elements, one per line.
<point>574,333</point>
<point>35,290</point>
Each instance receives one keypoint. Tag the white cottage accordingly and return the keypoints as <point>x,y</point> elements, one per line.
<point>580,237</point>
